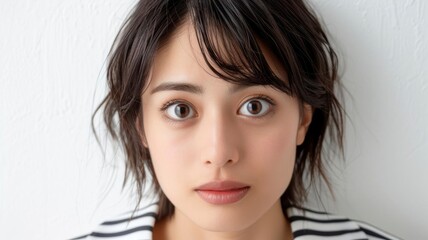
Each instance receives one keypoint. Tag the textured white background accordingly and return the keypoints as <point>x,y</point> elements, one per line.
<point>54,184</point>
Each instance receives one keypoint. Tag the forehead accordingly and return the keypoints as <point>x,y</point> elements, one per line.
<point>181,53</point>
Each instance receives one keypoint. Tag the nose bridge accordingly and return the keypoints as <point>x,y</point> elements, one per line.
<point>220,132</point>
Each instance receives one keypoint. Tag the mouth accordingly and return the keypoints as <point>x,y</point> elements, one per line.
<point>222,192</point>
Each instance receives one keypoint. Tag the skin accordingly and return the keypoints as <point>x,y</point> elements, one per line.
<point>219,139</point>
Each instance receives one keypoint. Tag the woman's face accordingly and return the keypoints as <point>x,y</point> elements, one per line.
<point>200,129</point>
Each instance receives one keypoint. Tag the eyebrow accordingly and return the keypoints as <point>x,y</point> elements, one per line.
<point>191,88</point>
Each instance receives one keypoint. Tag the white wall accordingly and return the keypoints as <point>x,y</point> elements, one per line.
<point>385,47</point>
<point>54,184</point>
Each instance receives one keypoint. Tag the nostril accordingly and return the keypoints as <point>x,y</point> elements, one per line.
<point>224,162</point>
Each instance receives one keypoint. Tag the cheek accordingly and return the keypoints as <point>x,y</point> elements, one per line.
<point>274,148</point>
<point>170,154</point>
<point>167,151</point>
<point>167,163</point>
<point>276,140</point>
<point>273,155</point>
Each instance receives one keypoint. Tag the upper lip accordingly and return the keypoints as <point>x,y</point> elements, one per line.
<point>221,185</point>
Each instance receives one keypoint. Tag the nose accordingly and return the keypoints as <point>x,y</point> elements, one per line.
<point>220,139</point>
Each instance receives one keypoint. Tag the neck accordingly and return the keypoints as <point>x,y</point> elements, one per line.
<point>272,225</point>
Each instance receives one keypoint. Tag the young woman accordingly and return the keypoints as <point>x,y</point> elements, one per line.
<point>226,105</point>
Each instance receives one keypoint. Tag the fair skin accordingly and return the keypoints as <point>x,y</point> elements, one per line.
<point>215,130</point>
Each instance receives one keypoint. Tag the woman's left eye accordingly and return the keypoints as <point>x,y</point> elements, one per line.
<point>255,107</point>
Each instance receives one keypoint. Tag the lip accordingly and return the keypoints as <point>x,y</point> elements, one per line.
<point>222,192</point>
<point>221,186</point>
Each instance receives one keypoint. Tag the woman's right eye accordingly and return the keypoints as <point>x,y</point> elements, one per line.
<point>179,111</point>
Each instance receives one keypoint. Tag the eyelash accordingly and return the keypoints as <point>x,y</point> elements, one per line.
<point>259,96</point>
<point>267,99</point>
<point>263,97</point>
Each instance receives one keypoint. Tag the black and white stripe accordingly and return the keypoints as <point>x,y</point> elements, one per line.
<point>306,224</point>
<point>136,227</point>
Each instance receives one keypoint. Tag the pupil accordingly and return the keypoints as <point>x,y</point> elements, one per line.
<point>181,110</point>
<point>254,107</point>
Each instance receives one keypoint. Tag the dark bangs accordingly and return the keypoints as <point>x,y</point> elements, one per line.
<point>228,38</point>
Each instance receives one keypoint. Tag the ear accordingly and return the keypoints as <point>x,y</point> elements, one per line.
<point>139,127</point>
<point>305,121</point>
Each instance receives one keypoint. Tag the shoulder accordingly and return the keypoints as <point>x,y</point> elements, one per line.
<point>129,225</point>
<point>310,224</point>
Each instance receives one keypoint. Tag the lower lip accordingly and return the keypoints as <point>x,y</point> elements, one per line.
<point>223,197</point>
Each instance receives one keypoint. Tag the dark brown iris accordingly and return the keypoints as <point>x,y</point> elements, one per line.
<point>254,107</point>
<point>182,110</point>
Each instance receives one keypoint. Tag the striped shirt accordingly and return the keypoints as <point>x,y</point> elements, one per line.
<point>306,224</point>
